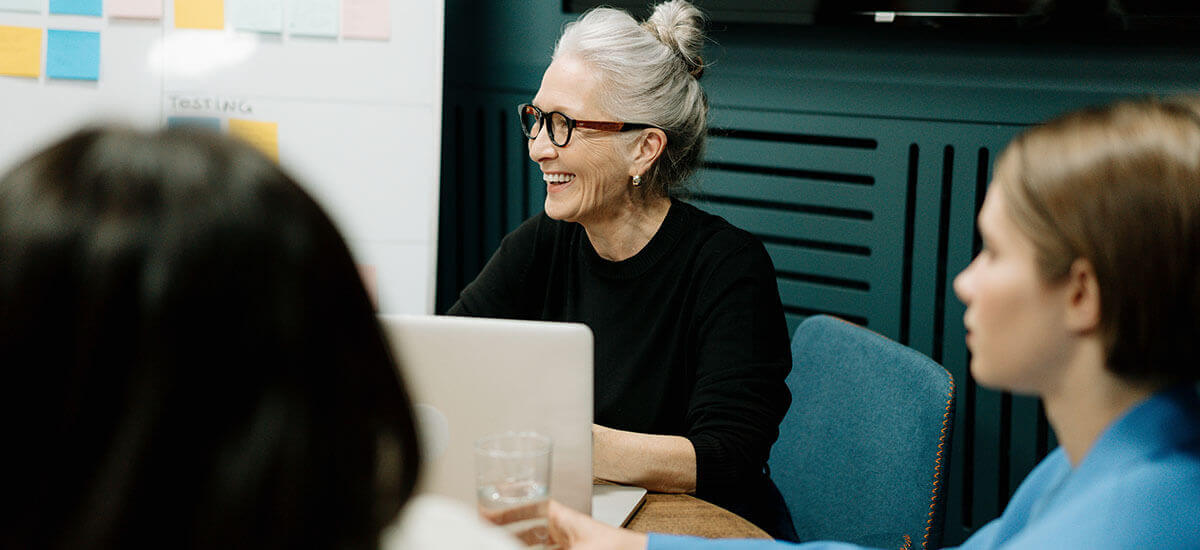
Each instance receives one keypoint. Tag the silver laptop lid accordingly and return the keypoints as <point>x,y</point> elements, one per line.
<point>470,377</point>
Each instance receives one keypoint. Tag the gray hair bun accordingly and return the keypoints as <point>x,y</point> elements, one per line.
<point>680,26</point>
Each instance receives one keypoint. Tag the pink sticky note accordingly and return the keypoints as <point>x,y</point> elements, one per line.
<point>135,9</point>
<point>366,19</point>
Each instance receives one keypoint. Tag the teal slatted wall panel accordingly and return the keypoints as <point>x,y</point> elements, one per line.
<point>808,120</point>
<point>868,219</point>
<point>488,187</point>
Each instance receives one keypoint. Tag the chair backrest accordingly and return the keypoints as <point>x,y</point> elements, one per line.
<point>863,452</point>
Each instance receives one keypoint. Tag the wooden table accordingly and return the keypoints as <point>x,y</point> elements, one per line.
<point>687,515</point>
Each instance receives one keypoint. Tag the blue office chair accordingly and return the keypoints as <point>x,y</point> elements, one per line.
<point>863,452</point>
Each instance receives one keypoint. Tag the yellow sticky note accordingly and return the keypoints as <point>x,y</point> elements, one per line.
<point>200,14</point>
<point>20,51</point>
<point>263,135</point>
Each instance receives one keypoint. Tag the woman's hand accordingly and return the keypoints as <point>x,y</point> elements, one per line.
<point>527,523</point>
<point>572,530</point>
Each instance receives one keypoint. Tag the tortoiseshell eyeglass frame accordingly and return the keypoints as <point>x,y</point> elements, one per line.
<point>571,123</point>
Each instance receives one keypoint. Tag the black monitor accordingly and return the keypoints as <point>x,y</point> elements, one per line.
<point>1017,14</point>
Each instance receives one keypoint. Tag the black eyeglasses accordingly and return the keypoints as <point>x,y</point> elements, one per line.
<point>561,125</point>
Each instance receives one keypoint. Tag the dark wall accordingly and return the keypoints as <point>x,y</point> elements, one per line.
<point>858,155</point>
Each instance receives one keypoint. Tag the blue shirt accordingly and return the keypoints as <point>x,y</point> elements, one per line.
<point>1138,487</point>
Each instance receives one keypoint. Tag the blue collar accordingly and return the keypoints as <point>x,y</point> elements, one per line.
<point>1166,420</point>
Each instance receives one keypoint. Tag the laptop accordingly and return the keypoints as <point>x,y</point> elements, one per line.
<point>616,504</point>
<point>470,377</point>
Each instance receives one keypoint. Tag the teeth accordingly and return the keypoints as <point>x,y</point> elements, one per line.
<point>557,178</point>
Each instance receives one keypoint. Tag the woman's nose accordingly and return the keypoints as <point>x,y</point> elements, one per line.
<point>963,283</point>
<point>540,147</point>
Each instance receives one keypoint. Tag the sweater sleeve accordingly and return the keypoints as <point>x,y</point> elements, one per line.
<point>740,394</point>
<point>501,289</point>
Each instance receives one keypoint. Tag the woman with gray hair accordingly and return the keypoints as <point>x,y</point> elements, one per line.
<point>691,342</point>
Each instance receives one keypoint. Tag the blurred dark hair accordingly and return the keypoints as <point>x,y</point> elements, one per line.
<point>191,359</point>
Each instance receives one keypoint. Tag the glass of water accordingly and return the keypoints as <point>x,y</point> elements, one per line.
<point>512,480</point>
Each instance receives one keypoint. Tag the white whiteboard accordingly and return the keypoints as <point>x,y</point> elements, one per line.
<point>359,121</point>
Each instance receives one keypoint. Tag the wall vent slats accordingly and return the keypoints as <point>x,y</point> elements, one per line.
<point>791,224</point>
<point>832,264</point>
<point>838,164</point>
<point>821,296</point>
<point>782,190</point>
<point>865,218</point>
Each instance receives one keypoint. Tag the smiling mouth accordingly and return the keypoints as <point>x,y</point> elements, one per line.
<point>558,179</point>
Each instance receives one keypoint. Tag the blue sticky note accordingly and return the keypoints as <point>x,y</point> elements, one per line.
<point>75,7</point>
<point>207,123</point>
<point>313,17</point>
<point>73,54</point>
<point>256,15</point>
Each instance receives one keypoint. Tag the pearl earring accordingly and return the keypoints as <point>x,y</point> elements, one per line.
<point>637,180</point>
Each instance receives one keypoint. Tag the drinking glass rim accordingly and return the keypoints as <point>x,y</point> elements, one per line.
<point>546,444</point>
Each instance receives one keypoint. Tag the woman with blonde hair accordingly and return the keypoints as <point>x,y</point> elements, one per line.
<point>1086,295</point>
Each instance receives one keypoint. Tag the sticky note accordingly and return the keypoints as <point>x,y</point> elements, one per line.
<point>313,17</point>
<point>263,135</point>
<point>366,19</point>
<point>256,15</point>
<point>73,54</point>
<point>20,51</point>
<point>75,7</point>
<point>135,9</point>
<point>21,5</point>
<point>200,14</point>
<point>207,123</point>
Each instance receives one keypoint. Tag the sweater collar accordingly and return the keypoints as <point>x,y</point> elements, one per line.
<point>1166,420</point>
<point>1163,421</point>
<point>660,245</point>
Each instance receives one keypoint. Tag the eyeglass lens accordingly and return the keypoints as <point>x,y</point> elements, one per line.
<point>532,120</point>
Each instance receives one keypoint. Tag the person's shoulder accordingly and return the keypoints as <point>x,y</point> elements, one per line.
<point>1171,464</point>
<point>1171,477</point>
<point>540,229</point>
<point>432,521</point>
<point>536,223</point>
<point>715,235</point>
<point>1149,504</point>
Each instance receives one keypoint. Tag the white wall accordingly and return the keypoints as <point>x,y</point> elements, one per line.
<point>359,121</point>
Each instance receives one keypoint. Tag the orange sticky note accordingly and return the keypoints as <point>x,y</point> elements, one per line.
<point>200,14</point>
<point>263,135</point>
<point>20,51</point>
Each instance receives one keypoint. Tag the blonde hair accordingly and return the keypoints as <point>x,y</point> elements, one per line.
<point>649,74</point>
<point>1119,186</point>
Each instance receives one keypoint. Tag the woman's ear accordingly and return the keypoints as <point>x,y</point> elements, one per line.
<point>650,145</point>
<point>1083,297</point>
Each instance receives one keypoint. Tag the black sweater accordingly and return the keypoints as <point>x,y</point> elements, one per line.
<point>690,336</point>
